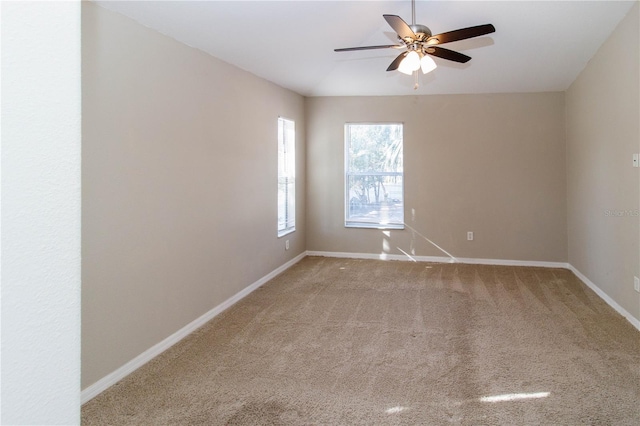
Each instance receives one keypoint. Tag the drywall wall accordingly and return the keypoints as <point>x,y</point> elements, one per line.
<point>179,186</point>
<point>491,164</point>
<point>40,308</point>
<point>603,188</point>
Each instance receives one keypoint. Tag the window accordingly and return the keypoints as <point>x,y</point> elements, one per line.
<point>374,196</point>
<point>286,176</point>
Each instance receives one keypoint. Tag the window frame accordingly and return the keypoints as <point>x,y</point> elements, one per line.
<point>348,223</point>
<point>288,157</point>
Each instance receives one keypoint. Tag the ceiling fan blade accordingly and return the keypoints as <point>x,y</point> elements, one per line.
<point>400,27</point>
<point>443,53</point>
<point>461,34</point>
<point>348,49</point>
<point>396,62</point>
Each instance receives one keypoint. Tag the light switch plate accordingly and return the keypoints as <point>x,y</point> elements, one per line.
<point>636,160</point>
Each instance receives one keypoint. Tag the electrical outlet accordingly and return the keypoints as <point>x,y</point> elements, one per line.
<point>636,284</point>
<point>286,245</point>
<point>469,236</point>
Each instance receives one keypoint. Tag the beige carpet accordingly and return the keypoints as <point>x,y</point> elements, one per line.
<point>343,341</point>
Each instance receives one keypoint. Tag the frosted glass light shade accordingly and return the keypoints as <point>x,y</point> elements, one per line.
<point>410,63</point>
<point>405,70</point>
<point>427,64</point>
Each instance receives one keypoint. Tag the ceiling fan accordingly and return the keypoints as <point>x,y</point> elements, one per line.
<point>421,44</point>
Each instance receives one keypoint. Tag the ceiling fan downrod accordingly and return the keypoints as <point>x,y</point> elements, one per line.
<point>413,12</point>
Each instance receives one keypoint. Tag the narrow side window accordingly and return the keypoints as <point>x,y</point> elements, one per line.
<point>286,176</point>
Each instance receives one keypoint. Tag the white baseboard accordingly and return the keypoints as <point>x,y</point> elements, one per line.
<point>501,262</point>
<point>119,374</point>
<point>634,321</point>
<point>440,259</point>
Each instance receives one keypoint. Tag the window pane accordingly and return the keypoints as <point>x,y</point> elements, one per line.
<point>374,176</point>
<point>375,199</point>
<point>375,147</point>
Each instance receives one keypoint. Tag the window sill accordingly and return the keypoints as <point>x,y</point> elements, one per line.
<point>286,232</point>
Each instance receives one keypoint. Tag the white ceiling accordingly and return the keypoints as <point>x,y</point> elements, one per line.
<point>538,45</point>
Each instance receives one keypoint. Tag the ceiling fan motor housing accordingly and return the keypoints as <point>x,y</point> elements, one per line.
<point>421,31</point>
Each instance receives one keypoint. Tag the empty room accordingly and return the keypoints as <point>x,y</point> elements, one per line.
<point>329,212</point>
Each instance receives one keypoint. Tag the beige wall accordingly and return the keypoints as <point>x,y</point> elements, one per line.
<point>179,175</point>
<point>603,132</point>
<point>491,164</point>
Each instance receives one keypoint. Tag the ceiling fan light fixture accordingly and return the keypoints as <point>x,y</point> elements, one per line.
<point>410,63</point>
<point>427,64</point>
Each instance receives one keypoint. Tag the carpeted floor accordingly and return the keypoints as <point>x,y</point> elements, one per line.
<point>344,341</point>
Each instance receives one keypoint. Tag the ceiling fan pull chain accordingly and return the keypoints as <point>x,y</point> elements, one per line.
<point>416,84</point>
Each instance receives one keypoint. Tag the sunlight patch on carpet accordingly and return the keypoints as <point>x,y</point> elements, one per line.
<point>514,396</point>
<point>396,409</point>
